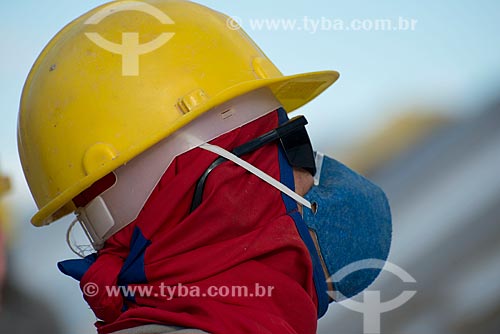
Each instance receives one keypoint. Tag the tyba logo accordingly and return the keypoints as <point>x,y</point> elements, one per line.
<point>372,307</point>
<point>130,49</point>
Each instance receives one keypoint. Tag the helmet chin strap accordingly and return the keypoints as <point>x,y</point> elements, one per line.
<point>257,172</point>
<point>79,248</point>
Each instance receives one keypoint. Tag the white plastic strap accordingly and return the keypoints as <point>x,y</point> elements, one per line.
<point>257,172</point>
<point>319,164</point>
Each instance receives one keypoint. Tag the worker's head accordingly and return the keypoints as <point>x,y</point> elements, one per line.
<point>130,108</point>
<point>127,75</point>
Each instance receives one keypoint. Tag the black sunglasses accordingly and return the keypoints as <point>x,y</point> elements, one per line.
<point>294,141</point>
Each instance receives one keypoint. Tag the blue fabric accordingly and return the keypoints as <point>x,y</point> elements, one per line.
<point>78,267</point>
<point>286,178</point>
<point>318,274</point>
<point>132,271</point>
<point>352,223</point>
<point>282,116</point>
<point>133,268</point>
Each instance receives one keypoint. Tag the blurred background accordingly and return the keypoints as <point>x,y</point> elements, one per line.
<point>416,110</point>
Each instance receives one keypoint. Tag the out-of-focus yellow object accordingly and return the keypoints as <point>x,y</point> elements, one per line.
<point>4,185</point>
<point>4,216</point>
<point>396,137</point>
<point>91,104</point>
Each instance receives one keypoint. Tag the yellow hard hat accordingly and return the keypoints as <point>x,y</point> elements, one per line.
<point>125,75</point>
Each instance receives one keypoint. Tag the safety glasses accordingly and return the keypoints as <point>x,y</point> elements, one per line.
<point>294,140</point>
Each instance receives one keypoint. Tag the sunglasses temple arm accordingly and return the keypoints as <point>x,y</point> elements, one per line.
<point>282,131</point>
<point>255,143</point>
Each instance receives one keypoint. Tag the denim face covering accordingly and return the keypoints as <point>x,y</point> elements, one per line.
<point>351,221</point>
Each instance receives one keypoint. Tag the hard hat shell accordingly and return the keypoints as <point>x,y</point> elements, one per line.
<point>125,75</point>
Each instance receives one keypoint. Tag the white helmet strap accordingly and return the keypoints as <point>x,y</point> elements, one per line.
<point>257,172</point>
